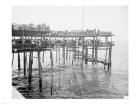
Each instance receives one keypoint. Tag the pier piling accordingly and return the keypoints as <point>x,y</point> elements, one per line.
<point>56,50</point>
<point>93,44</point>
<point>13,59</point>
<point>25,58</point>
<point>109,58</point>
<point>59,70</point>
<point>86,56</point>
<point>40,72</point>
<point>19,62</point>
<point>105,59</point>
<point>52,85</point>
<point>96,51</point>
<point>51,57</point>
<point>63,54</point>
<point>66,53</point>
<point>30,69</point>
<point>43,57</point>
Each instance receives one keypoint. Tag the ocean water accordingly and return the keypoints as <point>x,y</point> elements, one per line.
<point>120,66</point>
<point>73,81</point>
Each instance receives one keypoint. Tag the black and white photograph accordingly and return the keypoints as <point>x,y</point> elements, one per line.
<point>69,52</point>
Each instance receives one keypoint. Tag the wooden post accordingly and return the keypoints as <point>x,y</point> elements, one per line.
<point>96,52</point>
<point>25,58</point>
<point>59,67</point>
<point>56,49</point>
<point>43,57</point>
<point>110,50</point>
<point>72,57</point>
<point>51,57</point>
<point>32,58</point>
<point>30,69</point>
<point>18,61</point>
<point>72,50</point>
<point>105,58</point>
<point>82,50</point>
<point>78,49</point>
<point>63,50</point>
<point>106,41</point>
<point>75,45</point>
<point>83,56</point>
<point>52,85</point>
<point>63,54</point>
<point>109,59</point>
<point>56,55</point>
<point>59,54</point>
<point>86,58</point>
<point>66,52</point>
<point>93,44</point>
<point>40,72</point>
<point>13,59</point>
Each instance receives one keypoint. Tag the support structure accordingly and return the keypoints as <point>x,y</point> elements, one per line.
<point>40,72</point>
<point>72,49</point>
<point>30,69</point>
<point>19,62</point>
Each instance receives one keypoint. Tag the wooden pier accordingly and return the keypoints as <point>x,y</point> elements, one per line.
<point>71,42</point>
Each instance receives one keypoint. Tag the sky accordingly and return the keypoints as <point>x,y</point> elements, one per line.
<point>105,18</point>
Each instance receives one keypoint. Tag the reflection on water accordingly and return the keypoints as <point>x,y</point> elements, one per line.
<point>68,82</point>
<point>71,81</point>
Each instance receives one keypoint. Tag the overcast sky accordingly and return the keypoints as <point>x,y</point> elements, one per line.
<point>106,18</point>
